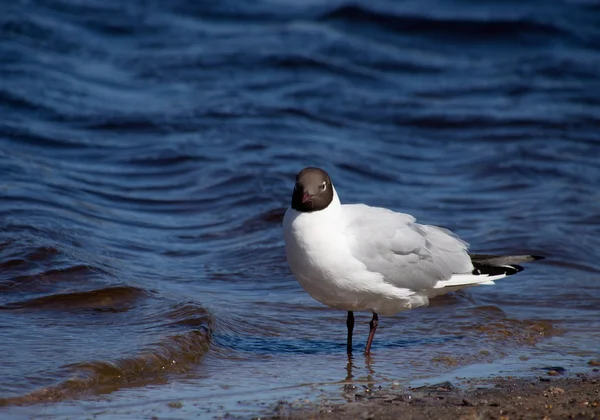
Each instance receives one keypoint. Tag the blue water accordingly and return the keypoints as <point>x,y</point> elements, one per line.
<point>148,152</point>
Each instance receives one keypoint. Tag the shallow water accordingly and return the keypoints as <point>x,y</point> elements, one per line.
<point>147,154</point>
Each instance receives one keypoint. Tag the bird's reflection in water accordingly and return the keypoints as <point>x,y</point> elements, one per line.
<point>349,367</point>
<point>367,383</point>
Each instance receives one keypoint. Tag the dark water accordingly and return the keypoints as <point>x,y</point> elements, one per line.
<point>147,154</point>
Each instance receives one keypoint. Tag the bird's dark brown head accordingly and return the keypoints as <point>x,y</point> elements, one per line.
<point>313,190</point>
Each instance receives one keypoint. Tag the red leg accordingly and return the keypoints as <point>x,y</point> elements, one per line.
<point>373,326</point>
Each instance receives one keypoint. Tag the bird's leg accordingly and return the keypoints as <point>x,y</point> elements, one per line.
<point>349,367</point>
<point>373,326</point>
<point>350,325</point>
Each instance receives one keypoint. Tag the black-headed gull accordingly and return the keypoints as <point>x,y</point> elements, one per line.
<point>355,257</point>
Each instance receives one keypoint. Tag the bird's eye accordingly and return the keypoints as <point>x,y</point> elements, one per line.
<point>298,186</point>
<point>324,186</point>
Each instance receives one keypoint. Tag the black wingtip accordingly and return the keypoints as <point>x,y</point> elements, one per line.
<point>496,264</point>
<point>517,267</point>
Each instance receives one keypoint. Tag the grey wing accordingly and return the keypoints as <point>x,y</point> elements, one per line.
<point>406,253</point>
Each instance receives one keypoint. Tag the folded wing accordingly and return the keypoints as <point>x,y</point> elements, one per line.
<point>406,253</point>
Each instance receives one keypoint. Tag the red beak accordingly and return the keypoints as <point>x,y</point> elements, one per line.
<point>306,197</point>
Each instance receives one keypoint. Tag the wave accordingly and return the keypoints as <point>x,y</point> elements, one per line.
<point>173,354</point>
<point>117,298</point>
<point>485,28</point>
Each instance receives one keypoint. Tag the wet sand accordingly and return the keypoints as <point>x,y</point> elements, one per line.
<point>543,397</point>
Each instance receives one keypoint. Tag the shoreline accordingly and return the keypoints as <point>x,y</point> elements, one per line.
<point>506,398</point>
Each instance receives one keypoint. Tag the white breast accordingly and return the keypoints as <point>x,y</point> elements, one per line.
<point>320,259</point>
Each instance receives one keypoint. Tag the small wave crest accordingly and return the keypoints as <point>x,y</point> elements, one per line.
<point>174,354</point>
<point>456,27</point>
<point>117,298</point>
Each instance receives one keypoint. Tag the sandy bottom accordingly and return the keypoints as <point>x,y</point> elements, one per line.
<point>544,397</point>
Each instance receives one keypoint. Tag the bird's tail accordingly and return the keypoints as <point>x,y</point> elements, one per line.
<point>486,269</point>
<point>495,265</point>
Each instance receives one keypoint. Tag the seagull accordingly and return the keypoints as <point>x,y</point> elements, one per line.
<point>355,257</point>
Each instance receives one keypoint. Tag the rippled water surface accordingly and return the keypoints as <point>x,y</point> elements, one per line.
<point>148,151</point>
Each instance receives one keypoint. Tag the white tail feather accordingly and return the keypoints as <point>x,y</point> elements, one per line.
<point>468,280</point>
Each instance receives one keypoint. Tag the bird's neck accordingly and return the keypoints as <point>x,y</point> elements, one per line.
<point>329,218</point>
